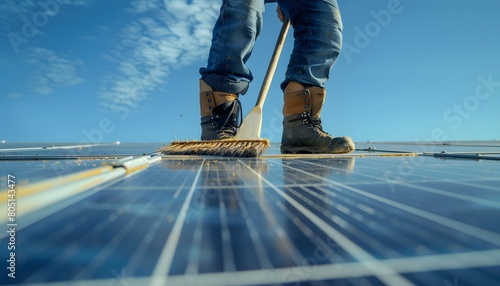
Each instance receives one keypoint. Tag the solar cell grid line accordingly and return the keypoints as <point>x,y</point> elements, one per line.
<point>485,235</point>
<point>59,230</point>
<point>228,195</point>
<point>198,240</point>
<point>407,170</point>
<point>187,256</point>
<point>474,199</point>
<point>374,207</point>
<point>286,247</point>
<point>385,274</point>
<point>412,235</point>
<point>194,254</point>
<point>96,264</point>
<point>325,250</point>
<point>50,210</point>
<point>381,161</point>
<point>64,213</point>
<point>467,198</point>
<point>298,185</point>
<point>475,189</point>
<point>459,169</point>
<point>210,222</point>
<point>30,221</point>
<point>227,244</point>
<point>439,175</point>
<point>409,238</point>
<point>249,247</point>
<point>485,184</point>
<point>51,191</point>
<point>111,199</point>
<point>160,272</point>
<point>287,252</point>
<point>463,213</point>
<point>150,180</point>
<point>36,170</point>
<point>422,270</point>
<point>379,164</point>
<point>350,217</point>
<point>95,230</point>
<point>477,184</point>
<point>176,170</point>
<point>258,245</point>
<point>422,264</point>
<point>456,169</point>
<point>381,238</point>
<point>162,215</point>
<point>481,218</point>
<point>305,238</point>
<point>137,265</point>
<point>493,182</point>
<point>468,169</point>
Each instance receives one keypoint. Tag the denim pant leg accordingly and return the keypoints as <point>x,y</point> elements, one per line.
<point>238,26</point>
<point>318,40</point>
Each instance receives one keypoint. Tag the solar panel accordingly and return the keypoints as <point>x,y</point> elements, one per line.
<point>369,218</point>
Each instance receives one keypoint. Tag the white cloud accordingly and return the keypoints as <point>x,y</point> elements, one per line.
<point>53,70</point>
<point>138,7</point>
<point>12,11</point>
<point>162,37</point>
<point>48,70</point>
<point>14,95</point>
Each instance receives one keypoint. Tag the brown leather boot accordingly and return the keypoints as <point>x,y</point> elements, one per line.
<point>302,129</point>
<point>220,113</point>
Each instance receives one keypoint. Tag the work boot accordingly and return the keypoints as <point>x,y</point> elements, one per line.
<point>302,129</point>
<point>220,113</point>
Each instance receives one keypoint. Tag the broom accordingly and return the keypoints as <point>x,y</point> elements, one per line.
<point>247,142</point>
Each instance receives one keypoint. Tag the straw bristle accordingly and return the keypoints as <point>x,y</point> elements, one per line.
<point>226,148</point>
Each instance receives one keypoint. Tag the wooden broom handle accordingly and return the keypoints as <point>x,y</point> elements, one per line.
<point>273,63</point>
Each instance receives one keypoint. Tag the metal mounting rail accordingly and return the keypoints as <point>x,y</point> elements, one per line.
<point>33,197</point>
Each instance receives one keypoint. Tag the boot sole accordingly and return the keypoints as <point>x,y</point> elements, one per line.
<point>313,150</point>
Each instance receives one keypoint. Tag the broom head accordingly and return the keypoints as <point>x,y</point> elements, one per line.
<point>246,143</point>
<point>225,147</point>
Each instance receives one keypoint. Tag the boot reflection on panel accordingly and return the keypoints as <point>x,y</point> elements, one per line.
<point>336,169</point>
<point>315,195</point>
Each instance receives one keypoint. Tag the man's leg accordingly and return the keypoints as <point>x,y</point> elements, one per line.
<point>226,76</point>
<point>317,30</point>
<point>318,39</point>
<point>238,26</point>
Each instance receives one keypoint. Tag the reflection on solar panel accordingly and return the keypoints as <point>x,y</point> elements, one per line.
<point>386,214</point>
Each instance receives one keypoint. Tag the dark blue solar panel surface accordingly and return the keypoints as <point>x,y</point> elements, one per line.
<point>364,219</point>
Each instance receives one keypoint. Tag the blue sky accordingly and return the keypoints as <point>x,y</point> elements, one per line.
<point>113,70</point>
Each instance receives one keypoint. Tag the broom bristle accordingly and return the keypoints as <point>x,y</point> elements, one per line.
<point>226,148</point>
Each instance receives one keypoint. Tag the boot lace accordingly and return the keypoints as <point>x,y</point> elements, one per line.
<point>228,129</point>
<point>312,122</point>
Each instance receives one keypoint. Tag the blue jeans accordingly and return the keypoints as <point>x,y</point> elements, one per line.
<point>317,42</point>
